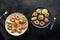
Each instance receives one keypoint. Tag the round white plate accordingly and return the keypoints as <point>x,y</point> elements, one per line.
<point>16,33</point>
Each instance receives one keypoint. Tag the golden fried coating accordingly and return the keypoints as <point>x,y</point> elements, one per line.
<point>42,23</point>
<point>46,20</point>
<point>15,23</point>
<point>23,26</point>
<point>40,17</point>
<point>13,30</point>
<point>34,14</point>
<point>17,17</point>
<point>38,11</point>
<point>12,18</point>
<point>19,29</point>
<point>36,22</point>
<point>46,14</point>
<point>9,26</point>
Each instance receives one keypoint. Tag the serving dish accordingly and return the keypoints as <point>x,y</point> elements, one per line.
<point>41,17</point>
<point>16,24</point>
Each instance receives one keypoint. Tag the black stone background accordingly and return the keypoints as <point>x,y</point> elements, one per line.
<point>26,6</point>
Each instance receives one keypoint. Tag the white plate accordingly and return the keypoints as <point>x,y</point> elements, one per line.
<point>16,33</point>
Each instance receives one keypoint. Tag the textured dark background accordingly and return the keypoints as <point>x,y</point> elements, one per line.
<point>26,6</point>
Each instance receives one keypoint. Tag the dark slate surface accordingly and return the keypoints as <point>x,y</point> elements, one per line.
<point>26,6</point>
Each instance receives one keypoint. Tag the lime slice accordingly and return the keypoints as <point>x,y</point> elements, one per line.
<point>34,18</point>
<point>44,11</point>
<point>8,21</point>
<point>23,18</point>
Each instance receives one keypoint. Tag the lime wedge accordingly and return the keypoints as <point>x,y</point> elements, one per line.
<point>8,21</point>
<point>23,18</point>
<point>34,18</point>
<point>44,11</point>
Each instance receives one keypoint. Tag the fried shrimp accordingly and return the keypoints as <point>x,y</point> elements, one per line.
<point>36,22</point>
<point>46,14</point>
<point>34,14</point>
<point>12,18</point>
<point>46,20</point>
<point>38,11</point>
<point>17,17</point>
<point>9,26</point>
<point>40,17</point>
<point>42,23</point>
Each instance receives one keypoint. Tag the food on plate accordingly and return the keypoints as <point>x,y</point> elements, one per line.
<point>42,23</point>
<point>23,18</point>
<point>44,11</point>
<point>38,11</point>
<point>16,23</point>
<point>21,21</point>
<point>34,14</point>
<point>19,29</point>
<point>46,14</point>
<point>34,18</point>
<point>12,18</point>
<point>46,20</point>
<point>23,26</point>
<point>36,22</point>
<point>9,22</point>
<point>40,17</point>
<point>9,26</point>
<point>17,17</point>
<point>13,30</point>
